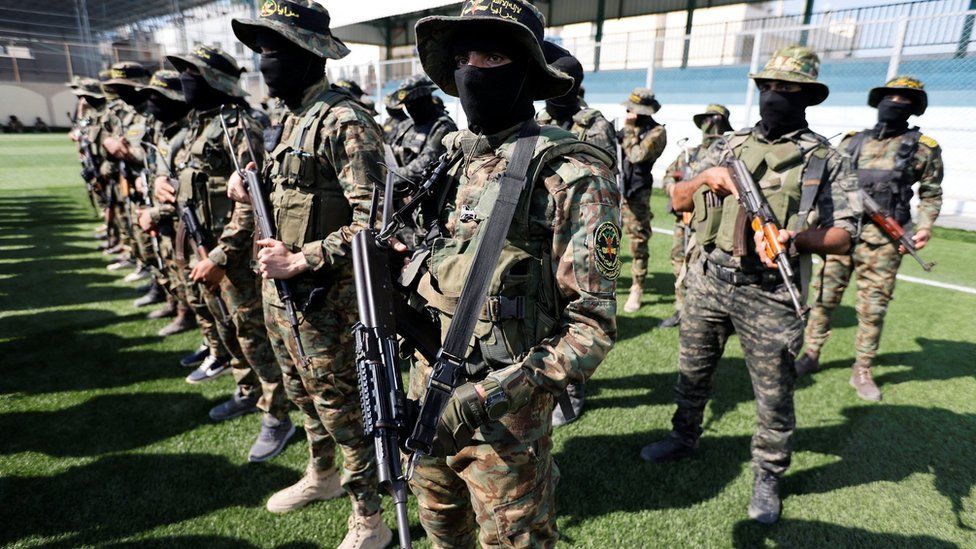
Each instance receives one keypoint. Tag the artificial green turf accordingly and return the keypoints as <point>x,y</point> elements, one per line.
<point>104,444</point>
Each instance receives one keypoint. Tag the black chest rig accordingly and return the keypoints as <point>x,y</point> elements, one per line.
<point>889,187</point>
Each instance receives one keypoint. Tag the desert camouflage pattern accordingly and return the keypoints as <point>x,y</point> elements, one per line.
<point>348,155</point>
<point>681,240</point>
<point>588,125</point>
<point>875,258</point>
<point>503,482</point>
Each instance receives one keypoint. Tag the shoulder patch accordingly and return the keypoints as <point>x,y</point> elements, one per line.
<point>607,250</point>
<point>928,142</point>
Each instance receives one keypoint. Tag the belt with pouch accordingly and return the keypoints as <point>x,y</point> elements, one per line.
<point>768,280</point>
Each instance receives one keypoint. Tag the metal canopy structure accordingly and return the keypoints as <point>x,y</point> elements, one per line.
<point>397,30</point>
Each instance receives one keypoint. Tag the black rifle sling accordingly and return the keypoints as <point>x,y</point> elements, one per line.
<point>493,237</point>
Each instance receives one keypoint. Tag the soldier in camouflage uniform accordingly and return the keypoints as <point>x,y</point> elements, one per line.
<point>356,91</point>
<point>88,110</point>
<point>209,78</point>
<point>422,143</point>
<point>320,164</point>
<point>714,121</point>
<point>589,125</point>
<point>397,120</point>
<point>889,159</point>
<point>642,141</point>
<point>813,193</point>
<point>491,476</point>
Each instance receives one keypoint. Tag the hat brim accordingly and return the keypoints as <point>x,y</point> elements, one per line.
<point>436,35</point>
<point>325,46</point>
<point>646,110</point>
<point>919,98</point>
<point>82,92</point>
<point>699,119</point>
<point>182,62</point>
<point>122,82</point>
<point>819,89</point>
<point>165,92</point>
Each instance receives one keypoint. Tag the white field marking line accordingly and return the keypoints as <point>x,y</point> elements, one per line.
<point>906,278</point>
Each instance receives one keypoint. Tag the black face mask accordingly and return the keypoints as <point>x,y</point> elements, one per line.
<point>422,109</point>
<point>165,110</point>
<point>289,73</point>
<point>200,95</point>
<point>894,116</point>
<point>645,120</point>
<point>494,99</point>
<point>781,113</point>
<point>563,108</point>
<point>130,96</point>
<point>95,102</point>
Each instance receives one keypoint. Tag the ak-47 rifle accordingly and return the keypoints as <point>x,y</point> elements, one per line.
<point>763,220</point>
<point>892,228</point>
<point>200,238</point>
<point>264,218</point>
<point>149,168</point>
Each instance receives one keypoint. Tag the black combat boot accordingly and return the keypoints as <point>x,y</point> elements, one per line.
<point>765,505</point>
<point>668,449</point>
<point>808,363</point>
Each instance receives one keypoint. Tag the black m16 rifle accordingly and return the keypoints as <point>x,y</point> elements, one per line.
<point>263,216</point>
<point>763,220</point>
<point>892,228</point>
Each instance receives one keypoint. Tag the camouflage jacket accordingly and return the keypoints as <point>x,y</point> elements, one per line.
<point>168,140</point>
<point>422,144</point>
<point>926,170</point>
<point>321,186</point>
<point>203,166</point>
<point>109,124</point>
<point>641,147</point>
<point>589,125</point>
<point>838,203</point>
<point>680,170</point>
<point>561,256</point>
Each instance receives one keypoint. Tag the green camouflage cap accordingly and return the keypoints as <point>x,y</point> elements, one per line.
<point>127,73</point>
<point>517,21</point>
<point>302,22</point>
<point>907,86</point>
<point>713,110</point>
<point>217,67</point>
<point>796,64</point>
<point>87,87</point>
<point>642,101</point>
<point>167,83</point>
<point>415,87</point>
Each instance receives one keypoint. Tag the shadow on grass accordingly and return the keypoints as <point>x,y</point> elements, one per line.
<point>121,496</point>
<point>815,534</point>
<point>104,424</point>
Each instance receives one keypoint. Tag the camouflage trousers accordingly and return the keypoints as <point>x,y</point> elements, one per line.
<point>637,216</point>
<point>326,389</point>
<point>770,335</point>
<point>678,249</point>
<point>244,335</point>
<point>193,295</point>
<point>169,279</point>
<point>875,267</point>
<point>500,489</point>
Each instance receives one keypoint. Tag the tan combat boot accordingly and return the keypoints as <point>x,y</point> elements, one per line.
<point>312,487</point>
<point>634,299</point>
<point>862,381</point>
<point>366,532</point>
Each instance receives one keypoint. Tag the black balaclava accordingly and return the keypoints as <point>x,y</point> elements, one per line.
<point>288,69</point>
<point>200,95</point>
<point>497,98</point>
<point>94,102</point>
<point>422,109</point>
<point>893,116</point>
<point>396,114</point>
<point>164,109</point>
<point>782,112</point>
<point>563,108</point>
<point>645,121</point>
<point>129,95</point>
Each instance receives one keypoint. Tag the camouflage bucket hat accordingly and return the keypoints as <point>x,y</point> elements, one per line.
<point>87,87</point>
<point>908,86</point>
<point>796,64</point>
<point>714,110</point>
<point>642,101</point>
<point>350,87</point>
<point>127,73</point>
<point>166,83</point>
<point>303,22</point>
<point>218,68</point>
<point>75,81</point>
<point>412,88</point>
<point>518,21</point>
<point>390,101</point>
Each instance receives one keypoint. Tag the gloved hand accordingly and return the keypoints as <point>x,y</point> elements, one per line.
<point>463,415</point>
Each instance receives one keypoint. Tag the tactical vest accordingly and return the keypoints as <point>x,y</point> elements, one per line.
<point>890,187</point>
<point>637,175</point>
<point>413,140</point>
<point>306,196</point>
<point>780,171</point>
<point>523,304</point>
<point>203,168</point>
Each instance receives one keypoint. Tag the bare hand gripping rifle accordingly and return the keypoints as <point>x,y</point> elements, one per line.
<point>892,228</point>
<point>263,216</point>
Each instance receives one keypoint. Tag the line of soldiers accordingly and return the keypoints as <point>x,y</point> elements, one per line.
<point>165,156</point>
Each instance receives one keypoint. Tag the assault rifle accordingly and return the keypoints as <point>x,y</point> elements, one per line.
<point>148,169</point>
<point>89,171</point>
<point>892,228</point>
<point>763,220</point>
<point>263,217</point>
